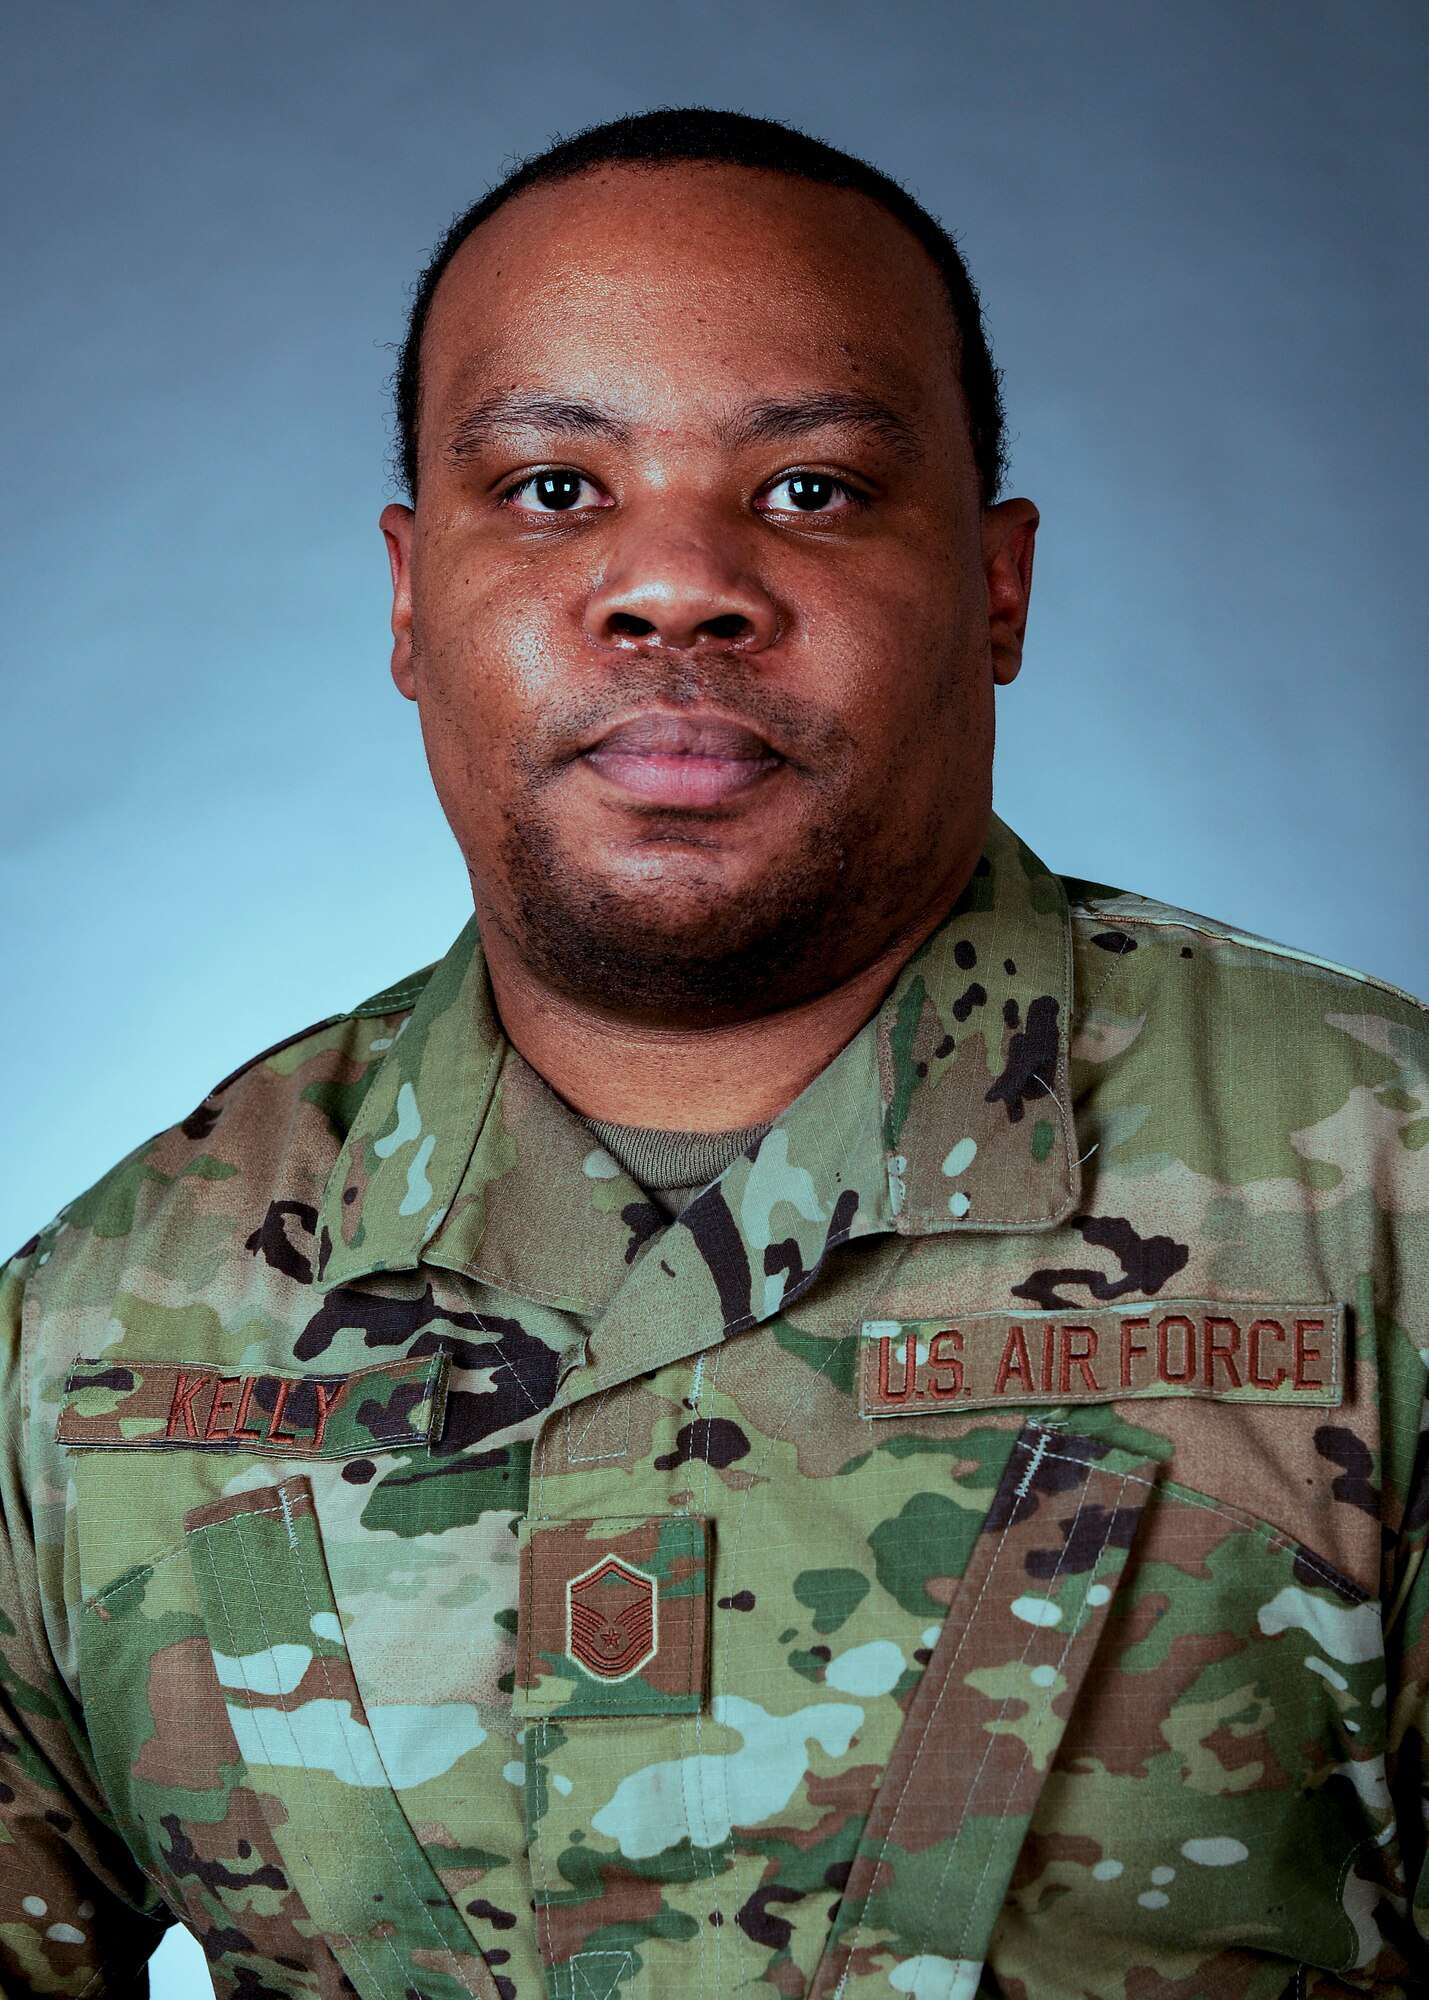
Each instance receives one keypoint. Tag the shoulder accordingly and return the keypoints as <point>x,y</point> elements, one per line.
<point>1208,1012</point>
<point>1204,954</point>
<point>1270,1110</point>
<point>1276,1081</point>
<point>267,1135</point>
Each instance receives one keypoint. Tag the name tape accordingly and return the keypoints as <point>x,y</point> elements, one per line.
<point>110,1405</point>
<point>1185,1347</point>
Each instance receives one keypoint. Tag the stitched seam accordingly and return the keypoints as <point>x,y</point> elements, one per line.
<point>835,1348</point>
<point>372,1817</point>
<point>686,1781</point>
<point>19,1422</point>
<point>694,1726</point>
<point>1350,1860</point>
<point>1063,1070</point>
<point>233,1641</point>
<point>1082,1014</point>
<point>563,1301</point>
<point>445,1949</point>
<point>746,1322</point>
<point>577,1970</point>
<point>1276,1538</point>
<point>131,1577</point>
<point>393,999</point>
<point>851,1943</point>
<point>972,1791</point>
<point>543,1915</point>
<point>1302,966</point>
<point>712,1873</point>
<point>1071,1637</point>
<point>515,1373</point>
<point>599,1408</point>
<point>1095,998</point>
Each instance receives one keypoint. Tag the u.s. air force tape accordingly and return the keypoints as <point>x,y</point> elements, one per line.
<point>1183,1347</point>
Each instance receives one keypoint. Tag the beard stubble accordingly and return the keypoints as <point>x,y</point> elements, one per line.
<point>821,910</point>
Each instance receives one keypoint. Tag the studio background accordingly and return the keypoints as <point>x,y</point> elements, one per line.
<point>1200,237</point>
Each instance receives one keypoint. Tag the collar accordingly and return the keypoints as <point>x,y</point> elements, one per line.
<point>973,1057</point>
<point>950,1111</point>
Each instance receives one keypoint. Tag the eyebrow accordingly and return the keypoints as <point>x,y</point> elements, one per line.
<point>475,429</point>
<point>771,421</point>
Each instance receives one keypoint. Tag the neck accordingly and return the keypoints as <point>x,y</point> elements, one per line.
<point>681,1078</point>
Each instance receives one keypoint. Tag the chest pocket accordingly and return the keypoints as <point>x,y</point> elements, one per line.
<point>295,1828</point>
<point>309,1750</point>
<point>1210,1798</point>
<point>987,1719</point>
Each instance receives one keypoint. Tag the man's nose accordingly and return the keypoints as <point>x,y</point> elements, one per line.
<point>680,588</point>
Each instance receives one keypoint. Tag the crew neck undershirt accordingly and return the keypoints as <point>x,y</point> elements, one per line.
<point>673,1166</point>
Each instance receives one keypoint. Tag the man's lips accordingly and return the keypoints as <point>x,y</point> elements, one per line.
<point>682,760</point>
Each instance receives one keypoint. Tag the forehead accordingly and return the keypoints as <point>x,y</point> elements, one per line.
<point>707,275</point>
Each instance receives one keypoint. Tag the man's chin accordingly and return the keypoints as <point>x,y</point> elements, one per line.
<point>665,974</point>
<point>672,959</point>
<point>700,937</point>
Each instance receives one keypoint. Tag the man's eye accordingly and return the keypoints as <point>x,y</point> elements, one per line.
<point>807,493</point>
<point>554,493</point>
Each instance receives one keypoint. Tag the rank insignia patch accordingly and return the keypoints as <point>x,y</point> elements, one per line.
<point>612,1616</point>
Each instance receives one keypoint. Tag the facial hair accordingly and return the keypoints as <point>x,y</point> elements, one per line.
<point>705,956</point>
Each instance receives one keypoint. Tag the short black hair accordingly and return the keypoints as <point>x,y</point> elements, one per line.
<point>671,134</point>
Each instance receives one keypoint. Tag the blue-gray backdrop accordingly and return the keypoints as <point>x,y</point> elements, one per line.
<point>1200,232</point>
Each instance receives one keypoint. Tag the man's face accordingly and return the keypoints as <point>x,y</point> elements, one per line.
<point>698,602</point>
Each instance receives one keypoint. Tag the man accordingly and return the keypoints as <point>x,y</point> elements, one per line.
<point>815,1410</point>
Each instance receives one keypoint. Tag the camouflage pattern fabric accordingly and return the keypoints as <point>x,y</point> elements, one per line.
<point>976,1550</point>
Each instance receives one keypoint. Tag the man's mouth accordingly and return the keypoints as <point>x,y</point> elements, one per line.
<point>689,761</point>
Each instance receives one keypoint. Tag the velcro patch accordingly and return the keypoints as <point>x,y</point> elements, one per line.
<point>612,1616</point>
<point>158,1405</point>
<point>1232,1352</point>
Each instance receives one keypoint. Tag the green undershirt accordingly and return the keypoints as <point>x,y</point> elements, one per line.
<point>673,1166</point>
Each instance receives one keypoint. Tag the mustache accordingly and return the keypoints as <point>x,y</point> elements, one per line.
<point>803,733</point>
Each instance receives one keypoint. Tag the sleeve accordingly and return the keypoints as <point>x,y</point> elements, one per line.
<point>1401,1307</point>
<point>78,1917</point>
<point>1408,1660</point>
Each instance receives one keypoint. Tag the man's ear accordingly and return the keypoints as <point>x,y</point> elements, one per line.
<point>396,522</point>
<point>1009,533</point>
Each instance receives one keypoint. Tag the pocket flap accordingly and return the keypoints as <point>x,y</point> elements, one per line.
<point>299,1723</point>
<point>985,1721</point>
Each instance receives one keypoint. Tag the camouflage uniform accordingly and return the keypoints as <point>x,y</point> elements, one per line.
<point>976,1549</point>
